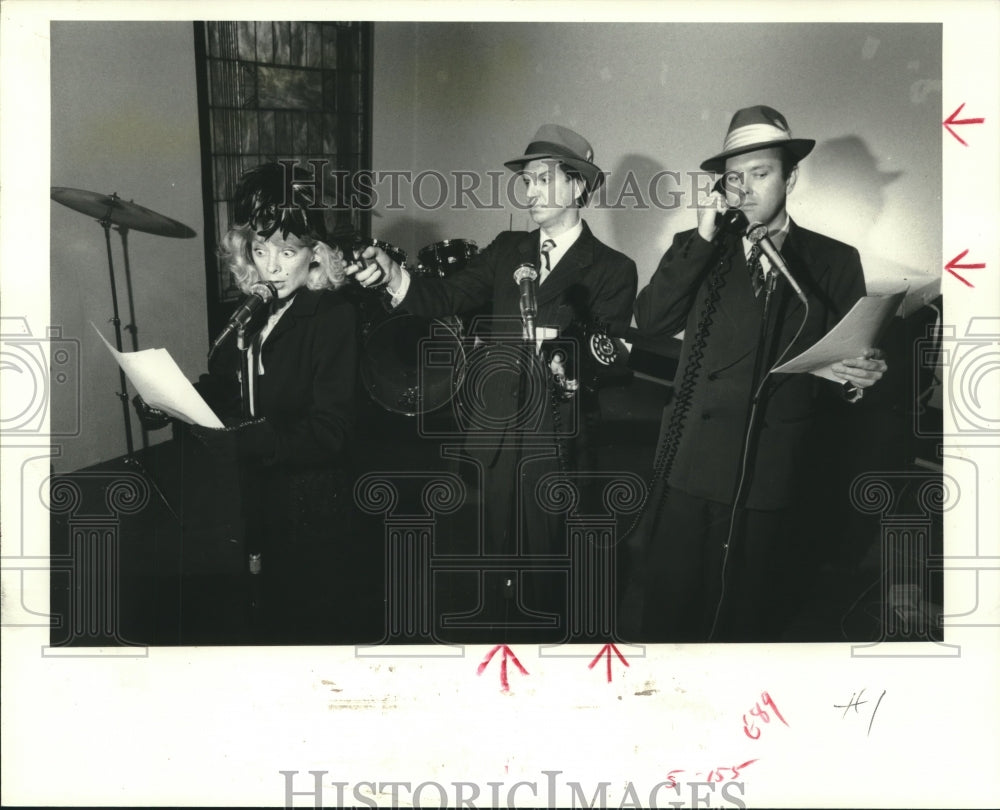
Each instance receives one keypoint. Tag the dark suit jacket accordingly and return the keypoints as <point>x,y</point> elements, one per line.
<point>591,282</point>
<point>294,497</point>
<point>506,404</point>
<point>830,274</point>
<point>306,393</point>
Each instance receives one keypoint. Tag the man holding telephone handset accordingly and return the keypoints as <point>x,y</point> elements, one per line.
<point>710,552</point>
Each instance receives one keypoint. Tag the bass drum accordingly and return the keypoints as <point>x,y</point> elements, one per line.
<point>410,365</point>
<point>447,257</point>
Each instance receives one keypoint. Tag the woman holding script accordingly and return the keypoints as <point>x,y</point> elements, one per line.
<point>287,429</point>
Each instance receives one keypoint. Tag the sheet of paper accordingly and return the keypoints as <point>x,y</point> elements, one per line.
<point>160,382</point>
<point>857,331</point>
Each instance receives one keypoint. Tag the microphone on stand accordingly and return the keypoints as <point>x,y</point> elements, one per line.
<point>526,278</point>
<point>757,234</point>
<point>261,293</point>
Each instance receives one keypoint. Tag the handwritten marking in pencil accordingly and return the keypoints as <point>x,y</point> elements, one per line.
<point>856,702</point>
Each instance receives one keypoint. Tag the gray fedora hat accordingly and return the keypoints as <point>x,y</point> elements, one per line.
<point>555,142</point>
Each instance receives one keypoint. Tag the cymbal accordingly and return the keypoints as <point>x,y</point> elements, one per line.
<point>123,213</point>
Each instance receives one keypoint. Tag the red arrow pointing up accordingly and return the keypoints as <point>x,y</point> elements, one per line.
<point>507,653</point>
<point>606,651</point>
<point>951,120</point>
<point>954,263</point>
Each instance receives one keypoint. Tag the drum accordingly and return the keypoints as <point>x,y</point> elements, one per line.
<point>398,255</point>
<point>447,257</point>
<point>410,365</point>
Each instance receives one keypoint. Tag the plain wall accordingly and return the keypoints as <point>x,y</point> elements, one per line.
<point>125,120</point>
<point>658,96</point>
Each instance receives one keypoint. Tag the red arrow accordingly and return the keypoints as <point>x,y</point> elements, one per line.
<point>950,267</point>
<point>606,651</point>
<point>951,119</point>
<point>507,653</point>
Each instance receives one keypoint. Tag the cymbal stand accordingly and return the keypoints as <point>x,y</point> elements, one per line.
<point>132,329</point>
<point>130,458</point>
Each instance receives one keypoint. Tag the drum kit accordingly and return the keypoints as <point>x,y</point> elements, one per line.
<point>395,345</point>
<point>392,342</point>
<point>111,210</point>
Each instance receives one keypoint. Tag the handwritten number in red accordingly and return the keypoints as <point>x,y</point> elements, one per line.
<point>749,727</point>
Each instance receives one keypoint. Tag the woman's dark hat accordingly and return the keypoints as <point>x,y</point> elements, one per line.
<point>754,128</point>
<point>554,142</point>
<point>276,195</point>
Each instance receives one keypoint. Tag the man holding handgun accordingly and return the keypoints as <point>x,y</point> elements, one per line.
<point>523,419</point>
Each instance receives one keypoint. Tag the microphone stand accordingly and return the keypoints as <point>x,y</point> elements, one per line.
<point>750,439</point>
<point>130,457</point>
<point>758,363</point>
<point>254,561</point>
<point>246,369</point>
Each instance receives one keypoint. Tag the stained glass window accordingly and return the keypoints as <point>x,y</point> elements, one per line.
<point>279,90</point>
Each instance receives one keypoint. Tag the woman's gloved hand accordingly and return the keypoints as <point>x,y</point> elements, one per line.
<point>149,417</point>
<point>249,441</point>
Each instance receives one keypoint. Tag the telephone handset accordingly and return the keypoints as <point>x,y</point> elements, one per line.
<point>733,219</point>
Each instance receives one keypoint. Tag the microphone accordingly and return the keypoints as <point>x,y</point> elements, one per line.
<point>260,294</point>
<point>757,234</point>
<point>526,278</point>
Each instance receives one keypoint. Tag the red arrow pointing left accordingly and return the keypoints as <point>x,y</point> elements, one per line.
<point>507,653</point>
<point>951,121</point>
<point>954,263</point>
<point>606,651</point>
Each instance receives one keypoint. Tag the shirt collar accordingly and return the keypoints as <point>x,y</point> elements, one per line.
<point>565,240</point>
<point>777,235</point>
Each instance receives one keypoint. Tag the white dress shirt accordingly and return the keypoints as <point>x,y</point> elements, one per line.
<point>777,238</point>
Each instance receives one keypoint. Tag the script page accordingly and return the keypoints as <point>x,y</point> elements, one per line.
<point>161,383</point>
<point>857,331</point>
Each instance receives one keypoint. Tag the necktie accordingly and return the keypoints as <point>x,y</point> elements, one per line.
<point>547,245</point>
<point>756,270</point>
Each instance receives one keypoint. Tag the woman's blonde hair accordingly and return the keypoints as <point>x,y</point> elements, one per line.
<point>326,272</point>
<point>270,199</point>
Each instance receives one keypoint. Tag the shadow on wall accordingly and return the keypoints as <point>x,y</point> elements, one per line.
<point>647,202</point>
<point>845,187</point>
<point>845,196</point>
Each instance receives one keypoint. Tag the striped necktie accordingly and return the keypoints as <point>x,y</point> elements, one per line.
<point>547,245</point>
<point>756,270</point>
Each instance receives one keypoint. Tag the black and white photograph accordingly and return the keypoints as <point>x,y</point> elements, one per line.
<point>609,398</point>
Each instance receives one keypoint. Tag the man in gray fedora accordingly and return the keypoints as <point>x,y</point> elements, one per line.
<point>523,417</point>
<point>713,545</point>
